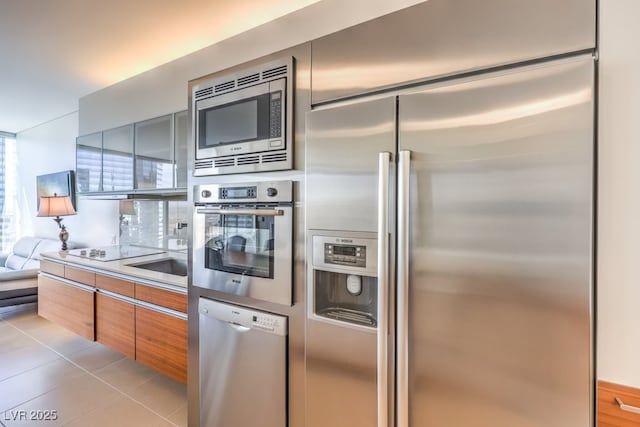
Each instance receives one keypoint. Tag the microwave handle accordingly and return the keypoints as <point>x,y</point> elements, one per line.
<point>261,212</point>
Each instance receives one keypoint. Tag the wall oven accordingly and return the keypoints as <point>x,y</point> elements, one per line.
<point>242,121</point>
<point>242,239</point>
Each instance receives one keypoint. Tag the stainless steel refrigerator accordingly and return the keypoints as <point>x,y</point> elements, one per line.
<point>450,253</point>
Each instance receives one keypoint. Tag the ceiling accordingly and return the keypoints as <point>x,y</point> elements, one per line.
<point>56,51</point>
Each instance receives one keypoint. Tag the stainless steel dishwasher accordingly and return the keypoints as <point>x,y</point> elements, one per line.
<point>243,366</point>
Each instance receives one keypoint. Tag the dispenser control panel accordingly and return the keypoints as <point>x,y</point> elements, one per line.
<point>352,255</point>
<point>349,252</point>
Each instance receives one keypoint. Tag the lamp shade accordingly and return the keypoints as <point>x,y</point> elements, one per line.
<point>126,207</point>
<point>56,206</point>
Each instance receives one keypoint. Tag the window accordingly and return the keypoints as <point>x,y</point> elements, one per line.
<point>8,192</point>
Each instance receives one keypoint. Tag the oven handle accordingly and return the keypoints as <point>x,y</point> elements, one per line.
<point>261,212</point>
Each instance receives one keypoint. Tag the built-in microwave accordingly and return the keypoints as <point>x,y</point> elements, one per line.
<point>242,121</point>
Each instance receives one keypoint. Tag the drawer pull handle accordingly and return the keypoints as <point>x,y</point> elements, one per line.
<point>626,407</point>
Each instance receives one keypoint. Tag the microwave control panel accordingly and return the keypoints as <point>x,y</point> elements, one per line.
<point>275,115</point>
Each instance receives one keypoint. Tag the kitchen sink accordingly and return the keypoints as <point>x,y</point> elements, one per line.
<point>173,266</point>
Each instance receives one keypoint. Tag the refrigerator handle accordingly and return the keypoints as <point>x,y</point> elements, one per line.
<point>402,373</point>
<point>384,160</point>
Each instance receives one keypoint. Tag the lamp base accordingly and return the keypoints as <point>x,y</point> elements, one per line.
<point>64,236</point>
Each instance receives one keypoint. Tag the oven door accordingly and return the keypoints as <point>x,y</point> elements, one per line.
<point>244,251</point>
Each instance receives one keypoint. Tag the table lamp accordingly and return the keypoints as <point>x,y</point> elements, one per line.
<point>57,206</point>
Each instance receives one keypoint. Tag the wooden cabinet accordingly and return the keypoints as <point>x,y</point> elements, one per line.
<point>610,413</point>
<point>115,324</point>
<point>162,297</point>
<point>80,275</point>
<point>51,267</point>
<point>109,313</point>
<point>69,306</point>
<point>115,285</point>
<point>161,342</point>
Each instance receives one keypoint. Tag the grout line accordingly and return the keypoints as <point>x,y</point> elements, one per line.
<point>91,374</point>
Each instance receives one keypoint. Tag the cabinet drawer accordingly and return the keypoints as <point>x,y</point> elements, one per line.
<point>162,297</point>
<point>51,267</point>
<point>115,285</point>
<point>115,324</point>
<point>66,305</point>
<point>79,275</point>
<point>609,412</point>
<point>161,343</point>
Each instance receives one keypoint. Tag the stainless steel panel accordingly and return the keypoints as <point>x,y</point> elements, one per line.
<point>243,366</point>
<point>340,376</point>
<point>402,292</point>
<point>382,344</point>
<point>446,37</point>
<point>265,192</point>
<point>343,144</point>
<point>341,360</point>
<point>297,312</point>
<point>501,229</point>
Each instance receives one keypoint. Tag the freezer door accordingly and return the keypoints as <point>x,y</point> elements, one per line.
<point>498,291</point>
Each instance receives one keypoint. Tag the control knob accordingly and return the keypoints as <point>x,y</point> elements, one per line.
<point>205,193</point>
<point>271,192</point>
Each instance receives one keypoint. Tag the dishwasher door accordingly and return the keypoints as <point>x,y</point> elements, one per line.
<point>243,366</point>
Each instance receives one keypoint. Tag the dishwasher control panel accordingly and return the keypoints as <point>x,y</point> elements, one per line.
<point>243,317</point>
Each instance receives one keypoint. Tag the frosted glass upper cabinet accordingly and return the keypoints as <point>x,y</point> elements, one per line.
<point>117,159</point>
<point>89,162</point>
<point>154,153</point>
<point>181,148</point>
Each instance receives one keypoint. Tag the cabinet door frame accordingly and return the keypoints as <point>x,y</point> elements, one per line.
<point>115,324</point>
<point>68,296</point>
<point>161,341</point>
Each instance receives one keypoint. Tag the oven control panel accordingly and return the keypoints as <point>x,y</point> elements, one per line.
<point>246,192</point>
<point>226,193</point>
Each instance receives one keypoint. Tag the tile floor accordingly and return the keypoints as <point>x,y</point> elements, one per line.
<point>49,372</point>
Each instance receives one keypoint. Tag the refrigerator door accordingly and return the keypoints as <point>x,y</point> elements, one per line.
<point>349,148</point>
<point>498,288</point>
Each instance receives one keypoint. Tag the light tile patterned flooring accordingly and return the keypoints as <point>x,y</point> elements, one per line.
<point>44,367</point>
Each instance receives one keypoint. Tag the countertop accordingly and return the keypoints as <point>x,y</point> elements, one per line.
<point>122,268</point>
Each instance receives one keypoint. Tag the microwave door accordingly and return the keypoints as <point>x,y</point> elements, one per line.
<point>248,120</point>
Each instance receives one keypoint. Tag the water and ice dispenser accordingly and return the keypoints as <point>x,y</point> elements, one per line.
<point>342,278</point>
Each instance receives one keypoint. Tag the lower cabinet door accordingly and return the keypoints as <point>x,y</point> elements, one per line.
<point>161,342</point>
<point>115,324</point>
<point>67,305</point>
<point>618,405</point>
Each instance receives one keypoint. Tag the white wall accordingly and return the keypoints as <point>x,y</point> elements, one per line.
<point>163,90</point>
<point>47,148</point>
<point>619,194</point>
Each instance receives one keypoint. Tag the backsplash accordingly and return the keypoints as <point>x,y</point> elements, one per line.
<point>154,224</point>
